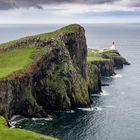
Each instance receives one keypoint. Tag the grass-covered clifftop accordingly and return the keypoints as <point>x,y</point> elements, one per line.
<point>19,54</point>
<point>19,134</point>
<point>16,60</point>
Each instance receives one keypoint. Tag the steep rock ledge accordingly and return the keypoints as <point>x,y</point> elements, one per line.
<point>106,67</point>
<point>114,55</point>
<point>94,79</point>
<point>59,85</point>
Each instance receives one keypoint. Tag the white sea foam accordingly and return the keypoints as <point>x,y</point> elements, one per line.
<point>50,118</point>
<point>117,76</point>
<point>94,95</point>
<point>98,108</point>
<point>71,111</point>
<point>15,119</point>
<point>86,109</point>
<point>109,106</point>
<point>104,93</point>
<point>40,119</point>
<point>91,109</point>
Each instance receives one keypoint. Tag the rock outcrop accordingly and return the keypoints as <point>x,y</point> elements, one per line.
<point>107,60</point>
<point>106,67</point>
<point>114,55</point>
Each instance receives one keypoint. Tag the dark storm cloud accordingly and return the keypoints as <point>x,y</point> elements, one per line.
<point>11,4</point>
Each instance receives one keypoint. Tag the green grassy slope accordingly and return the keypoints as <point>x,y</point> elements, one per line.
<point>94,56</point>
<point>18,59</point>
<point>19,134</point>
<point>15,60</point>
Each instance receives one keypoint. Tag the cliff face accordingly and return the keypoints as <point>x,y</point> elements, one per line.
<point>106,67</point>
<point>59,85</point>
<point>56,80</point>
<point>94,80</point>
<point>76,44</point>
<point>16,98</point>
<point>118,60</point>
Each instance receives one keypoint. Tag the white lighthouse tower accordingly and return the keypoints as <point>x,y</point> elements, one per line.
<point>113,47</point>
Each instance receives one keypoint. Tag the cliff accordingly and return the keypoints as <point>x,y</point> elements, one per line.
<point>50,73</point>
<point>94,79</point>
<point>114,55</point>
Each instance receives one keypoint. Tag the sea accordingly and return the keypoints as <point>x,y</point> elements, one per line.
<point>115,114</point>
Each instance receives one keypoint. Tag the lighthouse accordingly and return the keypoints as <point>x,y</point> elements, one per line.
<point>113,47</point>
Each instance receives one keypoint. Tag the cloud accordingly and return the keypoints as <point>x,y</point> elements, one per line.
<point>70,11</point>
<point>11,4</point>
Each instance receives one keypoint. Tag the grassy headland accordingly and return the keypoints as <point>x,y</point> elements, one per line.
<point>95,56</point>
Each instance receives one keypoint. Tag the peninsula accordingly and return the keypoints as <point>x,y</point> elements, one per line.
<point>49,72</point>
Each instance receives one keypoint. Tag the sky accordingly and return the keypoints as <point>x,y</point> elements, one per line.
<point>69,11</point>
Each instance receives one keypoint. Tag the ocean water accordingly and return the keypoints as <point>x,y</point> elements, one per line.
<point>115,114</point>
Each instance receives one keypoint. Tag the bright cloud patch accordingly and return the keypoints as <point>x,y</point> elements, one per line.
<point>79,11</point>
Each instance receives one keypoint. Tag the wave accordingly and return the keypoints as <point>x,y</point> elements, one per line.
<point>98,108</point>
<point>18,119</point>
<point>109,106</point>
<point>41,119</point>
<point>94,95</point>
<point>104,93</point>
<point>71,111</point>
<point>91,109</point>
<point>117,76</point>
<point>86,109</point>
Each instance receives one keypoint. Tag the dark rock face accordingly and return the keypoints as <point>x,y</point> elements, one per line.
<point>59,85</point>
<point>76,44</point>
<point>16,98</point>
<point>106,67</point>
<point>118,60</point>
<point>94,80</point>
